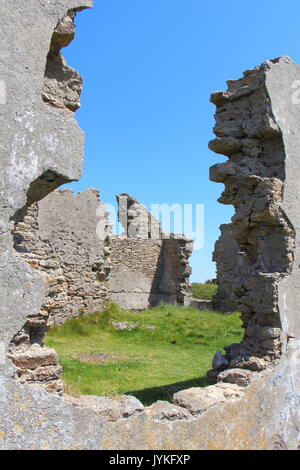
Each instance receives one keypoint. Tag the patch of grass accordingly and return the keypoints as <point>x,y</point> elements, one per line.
<point>204,291</point>
<point>170,349</point>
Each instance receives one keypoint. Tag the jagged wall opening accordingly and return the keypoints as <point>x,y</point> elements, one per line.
<point>36,364</point>
<point>257,141</point>
<point>66,238</point>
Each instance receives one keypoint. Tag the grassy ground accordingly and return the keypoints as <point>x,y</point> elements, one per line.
<point>171,349</point>
<point>204,291</point>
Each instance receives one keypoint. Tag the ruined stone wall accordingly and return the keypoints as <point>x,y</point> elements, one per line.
<point>41,146</point>
<point>147,266</point>
<point>135,264</point>
<point>42,150</point>
<point>147,272</point>
<point>62,84</point>
<point>256,252</point>
<point>58,237</point>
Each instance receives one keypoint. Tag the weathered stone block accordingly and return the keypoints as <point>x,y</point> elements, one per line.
<point>198,400</point>
<point>112,409</point>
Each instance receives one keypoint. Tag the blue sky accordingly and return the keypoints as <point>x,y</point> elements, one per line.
<point>149,67</point>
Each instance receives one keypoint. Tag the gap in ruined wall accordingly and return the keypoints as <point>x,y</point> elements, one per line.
<point>36,364</point>
<point>54,94</point>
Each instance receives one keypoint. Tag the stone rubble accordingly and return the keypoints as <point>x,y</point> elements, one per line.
<point>219,362</point>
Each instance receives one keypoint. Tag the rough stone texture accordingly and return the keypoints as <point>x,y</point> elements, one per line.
<point>219,361</point>
<point>36,365</point>
<point>147,266</point>
<point>265,418</point>
<point>112,409</point>
<point>41,147</point>
<point>163,410</point>
<point>256,252</point>
<point>58,237</point>
<point>136,219</point>
<point>241,377</point>
<point>198,400</point>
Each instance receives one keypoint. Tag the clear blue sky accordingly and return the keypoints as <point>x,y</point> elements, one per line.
<point>149,67</point>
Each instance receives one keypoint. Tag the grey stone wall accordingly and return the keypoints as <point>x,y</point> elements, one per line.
<point>229,262</point>
<point>147,266</point>
<point>58,237</point>
<point>41,146</point>
<point>255,253</point>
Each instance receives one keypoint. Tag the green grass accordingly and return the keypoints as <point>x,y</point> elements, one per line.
<point>204,291</point>
<point>151,364</point>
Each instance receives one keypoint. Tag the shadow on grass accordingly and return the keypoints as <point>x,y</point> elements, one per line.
<point>148,396</point>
